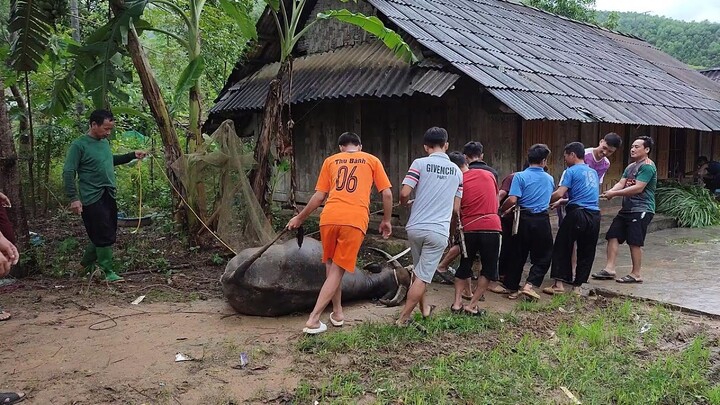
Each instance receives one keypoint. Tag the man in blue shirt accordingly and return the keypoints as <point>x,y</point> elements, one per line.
<point>581,223</point>
<point>530,193</point>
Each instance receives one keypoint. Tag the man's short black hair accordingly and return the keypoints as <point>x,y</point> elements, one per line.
<point>527,164</point>
<point>701,160</point>
<point>473,149</point>
<point>98,117</point>
<point>457,158</point>
<point>349,138</point>
<point>647,142</point>
<point>435,137</point>
<point>537,153</point>
<point>577,148</point>
<point>613,140</point>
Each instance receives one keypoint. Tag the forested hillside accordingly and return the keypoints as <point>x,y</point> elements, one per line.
<point>695,43</point>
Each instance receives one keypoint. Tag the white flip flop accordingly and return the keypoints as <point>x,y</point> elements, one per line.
<point>335,323</point>
<point>314,331</point>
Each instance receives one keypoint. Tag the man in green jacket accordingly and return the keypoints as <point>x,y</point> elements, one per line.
<point>91,162</point>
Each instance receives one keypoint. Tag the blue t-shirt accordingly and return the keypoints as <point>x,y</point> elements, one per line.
<point>533,188</point>
<point>582,183</point>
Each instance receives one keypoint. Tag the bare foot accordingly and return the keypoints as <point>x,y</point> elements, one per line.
<point>428,310</point>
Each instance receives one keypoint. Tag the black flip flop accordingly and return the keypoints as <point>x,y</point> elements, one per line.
<point>455,311</point>
<point>628,280</point>
<point>603,275</point>
<point>9,398</point>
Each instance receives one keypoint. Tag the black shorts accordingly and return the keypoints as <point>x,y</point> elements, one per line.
<point>488,245</point>
<point>100,219</point>
<point>630,227</point>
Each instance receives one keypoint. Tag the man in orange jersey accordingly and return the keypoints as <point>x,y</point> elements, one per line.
<point>346,179</point>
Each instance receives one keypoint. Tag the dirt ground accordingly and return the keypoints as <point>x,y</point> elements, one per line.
<point>63,347</point>
<point>74,342</point>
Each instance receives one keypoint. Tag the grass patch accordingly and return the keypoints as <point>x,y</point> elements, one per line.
<point>170,295</point>
<point>565,301</point>
<point>603,354</point>
<point>372,335</point>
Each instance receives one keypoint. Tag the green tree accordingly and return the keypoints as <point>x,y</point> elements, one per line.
<point>695,43</point>
<point>287,18</point>
<point>581,10</point>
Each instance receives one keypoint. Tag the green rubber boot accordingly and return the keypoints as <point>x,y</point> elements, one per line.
<point>105,261</point>
<point>88,259</point>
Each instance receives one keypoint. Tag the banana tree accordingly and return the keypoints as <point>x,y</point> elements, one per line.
<point>189,81</point>
<point>287,15</point>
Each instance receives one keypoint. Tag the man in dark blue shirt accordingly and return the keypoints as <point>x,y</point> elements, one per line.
<point>581,223</point>
<point>530,193</point>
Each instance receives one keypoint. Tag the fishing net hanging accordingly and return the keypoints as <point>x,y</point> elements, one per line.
<point>216,179</point>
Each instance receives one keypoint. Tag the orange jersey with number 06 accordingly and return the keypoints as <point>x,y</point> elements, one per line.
<point>348,177</point>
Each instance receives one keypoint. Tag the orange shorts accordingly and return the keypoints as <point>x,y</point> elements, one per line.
<point>341,244</point>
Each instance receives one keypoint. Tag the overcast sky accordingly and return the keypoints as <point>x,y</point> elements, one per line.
<point>688,10</point>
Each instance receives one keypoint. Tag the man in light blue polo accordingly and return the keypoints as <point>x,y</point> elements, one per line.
<point>530,193</point>
<point>581,223</point>
<point>437,183</point>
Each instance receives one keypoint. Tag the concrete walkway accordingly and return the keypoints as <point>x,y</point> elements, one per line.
<point>681,266</point>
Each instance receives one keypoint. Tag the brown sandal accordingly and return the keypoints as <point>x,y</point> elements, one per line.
<point>499,289</point>
<point>553,291</point>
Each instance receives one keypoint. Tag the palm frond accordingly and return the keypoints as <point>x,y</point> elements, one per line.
<point>692,206</point>
<point>30,35</point>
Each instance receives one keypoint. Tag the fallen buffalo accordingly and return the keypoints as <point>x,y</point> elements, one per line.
<point>287,279</point>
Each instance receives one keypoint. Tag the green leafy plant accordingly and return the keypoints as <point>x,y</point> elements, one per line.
<point>692,206</point>
<point>28,22</point>
<point>217,260</point>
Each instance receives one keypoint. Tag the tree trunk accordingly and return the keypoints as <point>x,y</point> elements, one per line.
<point>30,152</point>
<point>10,183</point>
<point>74,20</point>
<point>24,129</point>
<point>158,108</point>
<point>200,200</point>
<point>272,130</point>
<point>75,25</point>
<point>46,171</point>
<point>22,105</point>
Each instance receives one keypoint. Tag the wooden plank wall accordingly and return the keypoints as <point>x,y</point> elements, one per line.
<point>392,129</point>
<point>546,132</point>
<point>705,144</point>
<point>330,34</point>
<point>691,145</point>
<point>662,155</point>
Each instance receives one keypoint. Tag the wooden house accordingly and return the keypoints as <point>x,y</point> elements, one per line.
<point>494,71</point>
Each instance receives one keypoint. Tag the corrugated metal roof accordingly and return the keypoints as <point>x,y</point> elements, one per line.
<point>548,67</point>
<point>712,74</point>
<point>362,70</point>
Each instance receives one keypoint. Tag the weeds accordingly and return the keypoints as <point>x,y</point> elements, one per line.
<point>600,354</point>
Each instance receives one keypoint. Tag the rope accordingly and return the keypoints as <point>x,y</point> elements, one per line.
<point>193,211</point>
<point>372,213</point>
